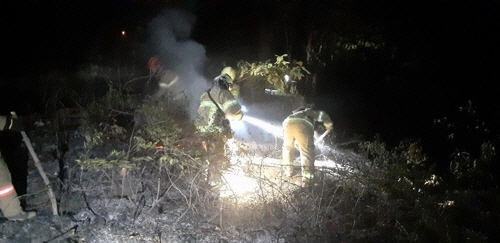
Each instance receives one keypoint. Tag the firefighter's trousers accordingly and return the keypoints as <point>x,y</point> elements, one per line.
<point>214,155</point>
<point>303,134</point>
<point>9,203</point>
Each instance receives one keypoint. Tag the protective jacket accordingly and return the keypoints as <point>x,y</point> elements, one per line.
<point>217,105</point>
<point>299,128</point>
<point>9,203</point>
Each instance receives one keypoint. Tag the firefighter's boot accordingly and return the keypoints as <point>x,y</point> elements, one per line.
<point>288,170</point>
<point>23,216</point>
<point>12,210</point>
<point>307,176</point>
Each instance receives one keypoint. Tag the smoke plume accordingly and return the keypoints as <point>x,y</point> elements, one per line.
<point>170,36</point>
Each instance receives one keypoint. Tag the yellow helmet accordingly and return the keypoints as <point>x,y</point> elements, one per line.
<point>229,71</point>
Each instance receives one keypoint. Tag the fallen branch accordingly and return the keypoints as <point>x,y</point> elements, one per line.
<point>40,170</point>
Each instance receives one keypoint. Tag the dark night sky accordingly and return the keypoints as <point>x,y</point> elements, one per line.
<point>450,48</point>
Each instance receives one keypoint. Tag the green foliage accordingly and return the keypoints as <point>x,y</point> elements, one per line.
<point>119,122</point>
<point>274,73</point>
<point>397,170</point>
<point>161,128</point>
<point>401,186</point>
<point>113,160</point>
<point>469,146</point>
<point>166,126</point>
<point>113,103</point>
<point>99,123</point>
<point>398,186</point>
<point>360,43</point>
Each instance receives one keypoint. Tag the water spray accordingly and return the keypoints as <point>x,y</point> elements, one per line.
<point>266,126</point>
<point>242,186</point>
<point>320,138</point>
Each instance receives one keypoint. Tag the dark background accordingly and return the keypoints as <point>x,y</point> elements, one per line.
<point>436,55</point>
<point>433,59</point>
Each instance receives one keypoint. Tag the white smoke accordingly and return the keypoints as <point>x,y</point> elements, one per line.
<point>170,35</point>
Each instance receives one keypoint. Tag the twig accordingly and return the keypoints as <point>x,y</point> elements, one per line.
<point>177,188</point>
<point>67,234</point>
<point>231,188</point>
<point>122,112</point>
<point>400,226</point>
<point>140,206</point>
<point>123,173</point>
<point>130,142</point>
<point>138,78</point>
<point>88,205</point>
<point>349,142</point>
<point>355,205</point>
<point>157,189</point>
<point>188,201</point>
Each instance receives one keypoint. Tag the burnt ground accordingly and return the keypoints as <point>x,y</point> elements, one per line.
<point>146,202</point>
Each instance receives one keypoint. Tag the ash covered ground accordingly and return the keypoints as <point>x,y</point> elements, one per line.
<point>151,203</point>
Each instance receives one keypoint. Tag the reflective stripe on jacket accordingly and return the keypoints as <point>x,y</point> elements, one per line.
<point>7,190</point>
<point>210,119</point>
<point>3,120</point>
<point>308,116</point>
<point>293,119</point>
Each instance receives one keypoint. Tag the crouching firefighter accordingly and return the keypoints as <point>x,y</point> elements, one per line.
<point>299,128</point>
<point>217,107</point>
<point>9,202</point>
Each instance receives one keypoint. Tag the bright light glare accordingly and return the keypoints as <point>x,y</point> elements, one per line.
<point>329,164</point>
<point>319,143</point>
<point>237,126</point>
<point>266,126</point>
<point>320,146</point>
<point>287,77</point>
<point>238,184</point>
<point>244,108</point>
<point>248,179</point>
<point>258,177</point>
<point>232,146</point>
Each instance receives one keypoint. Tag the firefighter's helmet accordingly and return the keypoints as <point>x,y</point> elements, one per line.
<point>229,71</point>
<point>223,81</point>
<point>303,108</point>
<point>154,63</point>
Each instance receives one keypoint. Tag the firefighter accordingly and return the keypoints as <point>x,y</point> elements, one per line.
<point>299,128</point>
<point>9,202</point>
<point>217,107</point>
<point>166,78</point>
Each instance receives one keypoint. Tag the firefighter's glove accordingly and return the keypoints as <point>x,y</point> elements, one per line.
<point>236,116</point>
<point>14,124</point>
<point>329,127</point>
